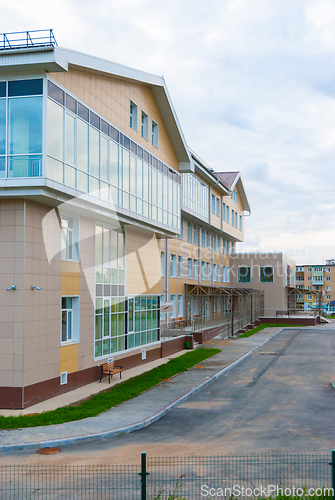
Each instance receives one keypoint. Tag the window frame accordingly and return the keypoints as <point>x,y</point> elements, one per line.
<point>154,133</point>
<point>260,274</point>
<point>133,116</point>
<point>144,125</point>
<point>74,245</point>
<point>75,318</point>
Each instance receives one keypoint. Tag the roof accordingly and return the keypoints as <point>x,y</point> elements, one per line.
<point>232,180</point>
<point>56,59</point>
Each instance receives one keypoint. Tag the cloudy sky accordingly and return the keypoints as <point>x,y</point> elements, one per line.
<point>253,84</point>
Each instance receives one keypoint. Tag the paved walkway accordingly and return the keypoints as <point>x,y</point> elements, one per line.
<point>141,411</point>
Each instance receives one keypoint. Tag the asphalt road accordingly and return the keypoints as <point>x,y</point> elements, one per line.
<point>279,399</point>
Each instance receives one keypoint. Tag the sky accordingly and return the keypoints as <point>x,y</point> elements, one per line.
<point>252,83</point>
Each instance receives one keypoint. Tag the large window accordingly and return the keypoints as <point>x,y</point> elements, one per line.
<point>189,269</point>
<point>195,195</point>
<point>244,274</point>
<point>70,238</point>
<point>180,266</point>
<point>24,129</point>
<point>87,153</point>
<point>213,204</point>
<point>266,274</point>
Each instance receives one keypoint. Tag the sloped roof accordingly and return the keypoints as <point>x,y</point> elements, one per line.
<point>57,59</point>
<point>232,179</point>
<point>229,179</point>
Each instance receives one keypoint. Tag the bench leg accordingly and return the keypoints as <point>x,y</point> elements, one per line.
<point>100,375</point>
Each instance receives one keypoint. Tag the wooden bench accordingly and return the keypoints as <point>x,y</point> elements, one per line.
<point>110,369</point>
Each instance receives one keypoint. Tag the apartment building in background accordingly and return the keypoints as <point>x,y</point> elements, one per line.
<point>316,278</point>
<point>273,273</point>
<point>105,216</point>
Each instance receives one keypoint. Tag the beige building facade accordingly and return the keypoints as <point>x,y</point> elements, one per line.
<point>317,278</point>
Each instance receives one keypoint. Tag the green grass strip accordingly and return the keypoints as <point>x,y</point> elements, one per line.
<point>114,396</point>
<point>248,333</point>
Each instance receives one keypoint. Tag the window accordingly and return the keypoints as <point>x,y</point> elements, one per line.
<point>189,232</point>
<point>318,287</point>
<point>309,288</point>
<point>266,274</point>
<point>309,297</point>
<point>214,273</point>
<point>180,266</point>
<point>317,269</point>
<point>327,278</point>
<point>195,270</point>
<point>180,305</point>
<point>195,234</point>
<point>244,275</point>
<point>189,269</point>
<point>163,264</point>
<point>208,271</point>
<point>227,214</point>
<point>240,222</point>
<point>133,116</point>
<point>227,247</point>
<point>213,204</point>
<point>218,243</point>
<point>236,197</point>
<point>214,242</point>
<point>223,211</point>
<point>233,217</point>
<point>223,245</point>
<point>208,239</point>
<point>236,220</point>
<point>203,270</point>
<point>327,269</point>
<point>180,235</point>
<point>173,300</point>
<point>233,247</point>
<point>224,274</point>
<point>69,319</point>
<point>218,207</point>
<point>172,266</point>
<point>228,274</point>
<point>309,269</point>
<point>203,238</point>
<point>328,297</point>
<point>328,288</point>
<point>144,125</point>
<point>154,129</point>
<point>69,238</point>
<point>309,278</point>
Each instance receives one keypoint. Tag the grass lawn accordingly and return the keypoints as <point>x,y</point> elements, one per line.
<point>114,396</point>
<point>248,333</point>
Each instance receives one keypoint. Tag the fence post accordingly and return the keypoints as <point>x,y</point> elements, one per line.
<point>333,473</point>
<point>144,476</point>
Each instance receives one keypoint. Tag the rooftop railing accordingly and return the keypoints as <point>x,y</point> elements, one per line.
<point>27,39</point>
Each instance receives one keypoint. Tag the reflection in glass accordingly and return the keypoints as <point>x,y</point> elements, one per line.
<point>25,125</point>
<point>69,138</point>
<point>55,129</point>
<point>2,126</point>
<point>82,146</point>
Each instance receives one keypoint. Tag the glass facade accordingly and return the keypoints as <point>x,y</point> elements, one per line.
<point>195,195</point>
<point>21,126</point>
<point>121,322</point>
<point>89,154</point>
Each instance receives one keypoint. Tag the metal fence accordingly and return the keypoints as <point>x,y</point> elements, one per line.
<point>171,478</point>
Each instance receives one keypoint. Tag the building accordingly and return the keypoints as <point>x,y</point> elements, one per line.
<point>105,217</point>
<point>316,278</point>
<point>273,273</point>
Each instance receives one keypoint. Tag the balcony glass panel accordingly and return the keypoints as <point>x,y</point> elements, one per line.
<point>25,125</point>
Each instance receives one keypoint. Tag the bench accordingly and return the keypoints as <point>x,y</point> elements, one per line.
<point>110,369</point>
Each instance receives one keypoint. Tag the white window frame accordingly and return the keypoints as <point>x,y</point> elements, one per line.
<point>144,125</point>
<point>133,115</point>
<point>69,238</point>
<point>73,312</point>
<point>154,133</point>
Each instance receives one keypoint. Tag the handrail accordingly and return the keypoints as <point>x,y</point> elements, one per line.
<point>26,39</point>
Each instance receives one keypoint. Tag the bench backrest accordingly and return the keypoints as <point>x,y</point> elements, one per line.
<point>109,366</point>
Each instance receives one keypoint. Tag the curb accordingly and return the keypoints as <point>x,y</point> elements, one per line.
<point>138,425</point>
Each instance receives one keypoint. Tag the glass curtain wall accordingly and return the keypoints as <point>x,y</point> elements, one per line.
<point>195,195</point>
<point>121,322</point>
<point>87,153</point>
<point>21,103</point>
